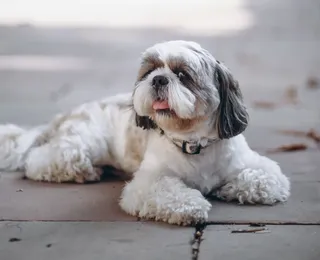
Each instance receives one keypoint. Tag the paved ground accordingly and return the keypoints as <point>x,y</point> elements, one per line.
<point>45,70</point>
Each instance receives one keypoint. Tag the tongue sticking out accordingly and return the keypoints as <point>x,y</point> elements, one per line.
<point>160,105</point>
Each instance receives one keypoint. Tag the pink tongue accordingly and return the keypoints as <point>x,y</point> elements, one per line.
<point>158,105</point>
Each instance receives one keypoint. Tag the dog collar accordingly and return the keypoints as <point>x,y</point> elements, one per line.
<point>190,147</point>
<point>193,147</point>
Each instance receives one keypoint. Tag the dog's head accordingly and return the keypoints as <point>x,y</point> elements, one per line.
<point>181,87</point>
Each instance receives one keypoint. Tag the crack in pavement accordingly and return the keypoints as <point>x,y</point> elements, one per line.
<point>196,240</point>
<point>267,222</point>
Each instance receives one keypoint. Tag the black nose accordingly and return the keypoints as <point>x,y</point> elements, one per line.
<point>159,81</point>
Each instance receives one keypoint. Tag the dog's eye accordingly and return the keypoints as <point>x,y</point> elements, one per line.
<point>146,74</point>
<point>182,75</point>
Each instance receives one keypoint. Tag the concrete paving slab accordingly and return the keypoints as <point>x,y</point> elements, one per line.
<point>303,205</point>
<point>283,242</point>
<point>300,166</point>
<point>94,241</point>
<point>266,139</point>
<point>32,98</point>
<point>44,70</point>
<point>28,200</point>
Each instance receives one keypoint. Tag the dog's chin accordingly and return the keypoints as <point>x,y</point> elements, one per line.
<point>168,120</point>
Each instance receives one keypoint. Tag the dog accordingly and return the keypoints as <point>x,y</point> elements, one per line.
<point>179,136</point>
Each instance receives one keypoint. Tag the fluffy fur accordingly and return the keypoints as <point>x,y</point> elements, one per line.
<point>127,132</point>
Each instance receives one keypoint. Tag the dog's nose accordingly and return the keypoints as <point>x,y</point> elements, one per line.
<point>159,81</point>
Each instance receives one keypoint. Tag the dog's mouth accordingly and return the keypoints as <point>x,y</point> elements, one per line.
<point>162,107</point>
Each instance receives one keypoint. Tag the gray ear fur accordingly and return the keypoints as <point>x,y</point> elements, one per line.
<point>232,117</point>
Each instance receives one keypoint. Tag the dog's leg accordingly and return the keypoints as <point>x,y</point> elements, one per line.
<point>260,181</point>
<point>61,162</point>
<point>165,199</point>
<point>70,154</point>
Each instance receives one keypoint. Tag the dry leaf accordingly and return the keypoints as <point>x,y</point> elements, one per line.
<point>293,132</point>
<point>264,104</point>
<point>290,148</point>
<point>255,230</point>
<point>313,83</point>
<point>14,239</point>
<point>291,95</point>
<point>312,134</point>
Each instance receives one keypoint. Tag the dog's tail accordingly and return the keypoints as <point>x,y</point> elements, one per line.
<point>15,144</point>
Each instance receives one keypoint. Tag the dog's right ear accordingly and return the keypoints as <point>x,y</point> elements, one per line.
<point>145,122</point>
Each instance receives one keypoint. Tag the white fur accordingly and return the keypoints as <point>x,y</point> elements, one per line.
<point>167,184</point>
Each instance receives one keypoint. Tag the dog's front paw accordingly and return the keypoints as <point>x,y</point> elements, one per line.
<point>183,209</point>
<point>187,213</point>
<point>255,186</point>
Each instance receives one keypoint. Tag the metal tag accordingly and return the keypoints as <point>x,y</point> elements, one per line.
<point>190,148</point>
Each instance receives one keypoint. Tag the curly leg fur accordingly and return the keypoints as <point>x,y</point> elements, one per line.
<point>65,150</point>
<point>257,184</point>
<point>167,199</point>
<point>61,162</point>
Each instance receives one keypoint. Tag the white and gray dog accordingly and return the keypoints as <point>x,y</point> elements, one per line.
<point>179,134</point>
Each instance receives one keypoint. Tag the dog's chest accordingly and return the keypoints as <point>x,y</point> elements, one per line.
<point>204,175</point>
<point>200,171</point>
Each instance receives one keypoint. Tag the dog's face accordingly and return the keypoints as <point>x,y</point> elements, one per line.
<point>182,88</point>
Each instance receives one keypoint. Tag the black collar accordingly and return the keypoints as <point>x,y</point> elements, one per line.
<point>191,146</point>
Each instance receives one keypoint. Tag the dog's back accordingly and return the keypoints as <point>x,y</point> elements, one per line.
<point>102,125</point>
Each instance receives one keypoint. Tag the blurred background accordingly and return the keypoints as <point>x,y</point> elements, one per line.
<point>57,54</point>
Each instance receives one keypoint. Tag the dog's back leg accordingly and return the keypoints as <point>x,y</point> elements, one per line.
<point>71,153</point>
<point>15,144</point>
<point>61,161</point>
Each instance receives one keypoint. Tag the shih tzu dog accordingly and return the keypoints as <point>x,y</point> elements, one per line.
<point>179,134</point>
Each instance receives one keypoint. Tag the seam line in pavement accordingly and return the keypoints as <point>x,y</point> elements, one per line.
<point>196,241</point>
<point>275,223</point>
<point>231,222</point>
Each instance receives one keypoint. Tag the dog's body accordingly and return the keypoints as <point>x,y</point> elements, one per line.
<point>179,135</point>
<point>74,145</point>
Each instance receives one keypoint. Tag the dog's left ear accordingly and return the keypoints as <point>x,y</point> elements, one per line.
<point>145,122</point>
<point>232,117</point>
